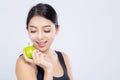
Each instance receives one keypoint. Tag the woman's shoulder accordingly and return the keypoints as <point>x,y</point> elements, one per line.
<point>68,64</point>
<point>20,60</point>
<point>22,63</point>
<point>65,56</point>
<point>61,52</point>
<point>24,68</point>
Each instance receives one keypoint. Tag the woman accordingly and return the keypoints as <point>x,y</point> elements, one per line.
<point>46,64</point>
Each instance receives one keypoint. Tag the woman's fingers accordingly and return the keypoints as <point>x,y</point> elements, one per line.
<point>34,56</point>
<point>38,58</point>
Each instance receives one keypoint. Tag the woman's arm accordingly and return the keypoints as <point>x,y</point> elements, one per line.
<point>48,75</point>
<point>25,70</point>
<point>69,69</point>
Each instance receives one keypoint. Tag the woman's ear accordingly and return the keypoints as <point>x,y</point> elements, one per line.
<point>57,29</point>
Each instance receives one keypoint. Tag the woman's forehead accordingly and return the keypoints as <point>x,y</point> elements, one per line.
<point>40,21</point>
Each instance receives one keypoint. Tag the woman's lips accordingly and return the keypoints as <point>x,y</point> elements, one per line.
<point>42,44</point>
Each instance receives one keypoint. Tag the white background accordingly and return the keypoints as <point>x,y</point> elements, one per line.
<point>89,34</point>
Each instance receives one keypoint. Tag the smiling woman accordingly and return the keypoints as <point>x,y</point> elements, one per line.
<point>42,32</point>
<point>46,64</point>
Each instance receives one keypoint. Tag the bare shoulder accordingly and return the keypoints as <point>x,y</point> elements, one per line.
<point>25,70</point>
<point>21,63</point>
<point>68,65</point>
<point>64,55</point>
<point>66,58</point>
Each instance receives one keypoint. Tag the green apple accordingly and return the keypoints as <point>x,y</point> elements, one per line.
<point>28,49</point>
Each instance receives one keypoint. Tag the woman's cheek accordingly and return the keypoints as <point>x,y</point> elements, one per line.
<point>50,35</point>
<point>33,36</point>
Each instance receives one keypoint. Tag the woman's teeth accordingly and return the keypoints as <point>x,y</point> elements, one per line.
<point>42,44</point>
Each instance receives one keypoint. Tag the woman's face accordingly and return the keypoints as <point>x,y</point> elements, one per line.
<point>41,32</point>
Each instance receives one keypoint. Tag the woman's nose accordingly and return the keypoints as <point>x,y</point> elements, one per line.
<point>40,35</point>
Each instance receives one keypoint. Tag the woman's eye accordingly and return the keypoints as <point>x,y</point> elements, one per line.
<point>47,31</point>
<point>32,31</point>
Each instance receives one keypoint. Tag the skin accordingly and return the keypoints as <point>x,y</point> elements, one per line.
<point>42,33</point>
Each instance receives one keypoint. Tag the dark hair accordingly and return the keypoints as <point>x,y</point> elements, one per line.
<point>43,10</point>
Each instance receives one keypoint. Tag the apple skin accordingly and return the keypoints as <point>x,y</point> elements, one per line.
<point>28,50</point>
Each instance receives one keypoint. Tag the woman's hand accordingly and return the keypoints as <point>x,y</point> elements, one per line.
<point>39,59</point>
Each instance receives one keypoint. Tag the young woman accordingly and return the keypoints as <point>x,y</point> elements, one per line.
<point>46,64</point>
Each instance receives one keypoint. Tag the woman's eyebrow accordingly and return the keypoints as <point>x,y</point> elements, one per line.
<point>33,26</point>
<point>48,26</point>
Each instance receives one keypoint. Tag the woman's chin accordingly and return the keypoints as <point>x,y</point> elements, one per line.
<point>43,50</point>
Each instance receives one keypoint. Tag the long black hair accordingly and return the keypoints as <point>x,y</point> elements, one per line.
<point>43,10</point>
